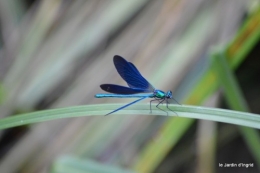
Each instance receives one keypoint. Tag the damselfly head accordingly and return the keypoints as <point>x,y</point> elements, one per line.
<point>168,95</point>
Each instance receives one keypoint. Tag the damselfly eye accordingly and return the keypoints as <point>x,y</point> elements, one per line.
<point>169,94</point>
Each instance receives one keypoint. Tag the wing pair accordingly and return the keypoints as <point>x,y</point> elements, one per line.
<point>136,82</point>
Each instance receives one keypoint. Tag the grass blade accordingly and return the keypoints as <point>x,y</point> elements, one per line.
<point>236,101</point>
<point>212,114</point>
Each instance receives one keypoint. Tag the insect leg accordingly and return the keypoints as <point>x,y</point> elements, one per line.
<point>161,100</point>
<point>175,101</point>
<point>169,108</point>
<point>151,104</point>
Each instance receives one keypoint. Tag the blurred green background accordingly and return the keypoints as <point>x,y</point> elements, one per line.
<point>56,53</point>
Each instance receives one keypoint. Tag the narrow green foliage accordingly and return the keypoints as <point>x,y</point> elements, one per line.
<point>213,114</point>
<point>67,164</point>
<point>2,93</point>
<point>236,101</point>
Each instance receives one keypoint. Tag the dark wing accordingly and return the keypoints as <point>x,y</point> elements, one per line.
<point>131,75</point>
<point>117,89</point>
<point>134,68</point>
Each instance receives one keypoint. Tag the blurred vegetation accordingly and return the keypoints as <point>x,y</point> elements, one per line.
<point>55,54</point>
